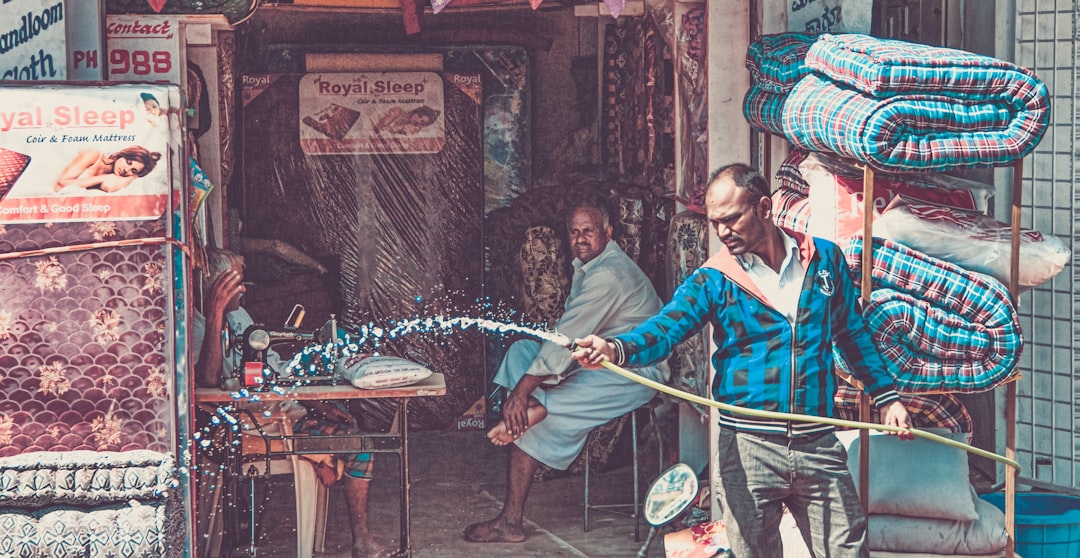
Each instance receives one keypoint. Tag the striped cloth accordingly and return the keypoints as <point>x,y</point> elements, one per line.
<point>788,174</point>
<point>939,328</point>
<point>764,109</point>
<point>897,105</point>
<point>791,209</point>
<point>777,62</point>
<point>942,410</point>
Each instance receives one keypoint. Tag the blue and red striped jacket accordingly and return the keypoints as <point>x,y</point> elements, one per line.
<point>763,361</point>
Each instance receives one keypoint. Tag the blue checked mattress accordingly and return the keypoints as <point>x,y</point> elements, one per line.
<point>938,327</point>
<point>776,64</point>
<point>898,105</point>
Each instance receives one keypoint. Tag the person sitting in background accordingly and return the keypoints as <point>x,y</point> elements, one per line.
<point>223,310</point>
<point>553,405</point>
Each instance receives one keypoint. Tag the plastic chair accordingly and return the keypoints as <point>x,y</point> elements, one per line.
<point>632,509</point>
<point>312,501</point>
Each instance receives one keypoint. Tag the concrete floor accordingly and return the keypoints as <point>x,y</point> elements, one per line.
<point>459,478</point>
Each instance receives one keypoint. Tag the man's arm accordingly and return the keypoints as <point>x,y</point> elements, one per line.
<point>595,304</point>
<point>852,338</point>
<point>688,311</point>
<point>208,366</point>
<point>516,407</point>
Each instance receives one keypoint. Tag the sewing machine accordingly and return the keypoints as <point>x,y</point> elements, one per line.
<point>258,338</point>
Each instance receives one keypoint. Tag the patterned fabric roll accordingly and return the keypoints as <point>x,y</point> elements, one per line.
<point>776,62</point>
<point>764,109</point>
<point>899,105</point>
<point>791,209</point>
<point>938,327</point>
<point>888,67</point>
<point>788,174</point>
<point>914,131</point>
<point>688,249</point>
<point>941,410</point>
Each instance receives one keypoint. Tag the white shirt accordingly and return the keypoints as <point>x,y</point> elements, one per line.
<point>781,289</point>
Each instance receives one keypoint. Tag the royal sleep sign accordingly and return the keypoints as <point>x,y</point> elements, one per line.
<point>378,112</point>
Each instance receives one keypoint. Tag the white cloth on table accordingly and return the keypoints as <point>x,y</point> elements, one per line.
<point>609,295</point>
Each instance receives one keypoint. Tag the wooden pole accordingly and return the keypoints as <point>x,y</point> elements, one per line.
<point>1010,388</point>
<point>865,286</point>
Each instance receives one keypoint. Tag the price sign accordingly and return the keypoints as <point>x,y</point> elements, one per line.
<point>144,48</point>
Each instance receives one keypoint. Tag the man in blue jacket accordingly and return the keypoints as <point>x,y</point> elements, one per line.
<point>777,301</point>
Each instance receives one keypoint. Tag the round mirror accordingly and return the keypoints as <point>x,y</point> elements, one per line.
<point>670,494</point>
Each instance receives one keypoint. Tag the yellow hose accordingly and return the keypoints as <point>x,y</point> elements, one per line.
<point>804,418</point>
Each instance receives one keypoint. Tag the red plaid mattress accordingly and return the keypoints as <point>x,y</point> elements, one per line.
<point>12,165</point>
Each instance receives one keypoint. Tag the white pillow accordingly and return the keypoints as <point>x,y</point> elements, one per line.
<point>985,535</point>
<point>379,372</point>
<point>915,478</point>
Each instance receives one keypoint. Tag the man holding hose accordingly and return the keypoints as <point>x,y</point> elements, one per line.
<point>777,301</point>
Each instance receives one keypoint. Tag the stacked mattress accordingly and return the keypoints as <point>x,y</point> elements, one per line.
<point>898,105</point>
<point>776,64</point>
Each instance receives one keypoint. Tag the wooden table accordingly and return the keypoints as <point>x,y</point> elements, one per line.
<point>395,441</point>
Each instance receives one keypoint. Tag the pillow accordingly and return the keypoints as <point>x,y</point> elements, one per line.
<point>985,535</point>
<point>972,240</point>
<point>915,478</point>
<point>380,372</point>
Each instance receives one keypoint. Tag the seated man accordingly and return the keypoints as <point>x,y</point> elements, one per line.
<point>553,405</point>
<point>226,270</point>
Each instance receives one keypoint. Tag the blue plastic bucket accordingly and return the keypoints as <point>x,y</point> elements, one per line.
<point>1047,525</point>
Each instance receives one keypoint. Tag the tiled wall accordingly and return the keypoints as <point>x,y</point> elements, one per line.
<point>1046,406</point>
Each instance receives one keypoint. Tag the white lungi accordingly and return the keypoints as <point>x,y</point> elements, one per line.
<point>583,400</point>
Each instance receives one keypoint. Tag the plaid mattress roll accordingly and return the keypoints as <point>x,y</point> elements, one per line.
<point>776,65</point>
<point>788,174</point>
<point>942,410</point>
<point>791,209</point>
<point>897,105</point>
<point>764,109</point>
<point>777,62</point>
<point>938,327</point>
<point>888,67</point>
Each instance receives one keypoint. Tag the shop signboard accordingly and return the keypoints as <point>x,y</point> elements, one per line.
<point>83,153</point>
<point>85,40</point>
<point>33,40</point>
<point>377,112</point>
<point>830,16</point>
<point>145,48</point>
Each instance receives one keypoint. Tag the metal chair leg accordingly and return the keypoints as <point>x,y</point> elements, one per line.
<point>635,505</point>
<point>588,442</point>
<point>637,477</point>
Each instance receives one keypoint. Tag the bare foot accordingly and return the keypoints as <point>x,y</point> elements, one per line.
<point>500,435</point>
<point>370,548</point>
<point>496,530</point>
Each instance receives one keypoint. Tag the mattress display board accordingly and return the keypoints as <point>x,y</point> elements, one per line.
<point>378,112</point>
<point>507,98</point>
<point>94,292</point>
<point>400,232</point>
